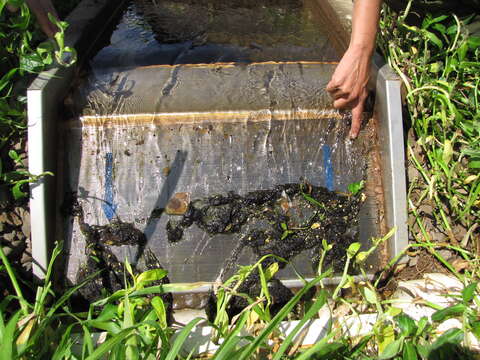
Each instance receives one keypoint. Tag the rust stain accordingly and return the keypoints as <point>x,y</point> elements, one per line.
<point>233,64</point>
<point>178,204</point>
<point>205,117</point>
<point>377,188</point>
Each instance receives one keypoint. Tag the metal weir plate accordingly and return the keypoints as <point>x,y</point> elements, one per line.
<point>146,137</point>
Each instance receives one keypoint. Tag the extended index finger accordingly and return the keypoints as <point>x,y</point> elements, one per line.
<point>357,114</point>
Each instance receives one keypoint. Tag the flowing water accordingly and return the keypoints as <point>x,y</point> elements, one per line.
<point>232,101</point>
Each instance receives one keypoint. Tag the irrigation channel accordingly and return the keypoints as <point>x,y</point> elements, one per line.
<point>201,137</point>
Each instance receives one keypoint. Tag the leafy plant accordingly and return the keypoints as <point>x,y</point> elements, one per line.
<point>356,187</point>
<point>438,62</point>
<point>21,53</point>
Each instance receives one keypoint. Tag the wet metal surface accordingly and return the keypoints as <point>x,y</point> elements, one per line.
<point>205,159</point>
<point>147,135</point>
<point>226,32</point>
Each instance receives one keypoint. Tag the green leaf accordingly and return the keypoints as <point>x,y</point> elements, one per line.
<point>436,67</point>
<point>182,336</point>
<point>434,39</point>
<point>473,42</point>
<point>409,351</point>
<point>448,312</point>
<point>109,311</point>
<point>356,187</point>
<point>353,249</point>
<point>13,155</point>
<point>474,163</point>
<point>321,348</point>
<point>110,344</point>
<point>109,326</point>
<point>447,151</point>
<point>370,295</point>
<point>406,324</point>
<point>17,191</point>
<point>160,311</point>
<point>229,344</point>
<point>422,325</point>
<point>313,201</point>
<point>271,270</point>
<point>151,275</point>
<point>475,325</point>
<point>317,305</point>
<point>272,325</point>
<point>7,342</point>
<point>469,292</point>
<point>451,336</point>
<point>392,349</point>
<point>462,51</point>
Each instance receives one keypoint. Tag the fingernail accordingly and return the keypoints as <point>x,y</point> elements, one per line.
<point>352,135</point>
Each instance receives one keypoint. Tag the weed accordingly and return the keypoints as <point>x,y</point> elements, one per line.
<point>22,53</point>
<point>438,62</point>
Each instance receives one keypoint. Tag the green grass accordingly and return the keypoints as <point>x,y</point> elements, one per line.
<point>134,327</point>
<point>439,64</point>
<point>23,53</point>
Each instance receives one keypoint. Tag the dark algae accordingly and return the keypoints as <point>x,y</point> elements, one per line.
<point>285,221</point>
<point>102,264</point>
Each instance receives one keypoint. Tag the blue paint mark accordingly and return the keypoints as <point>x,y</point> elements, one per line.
<point>327,164</point>
<point>108,206</point>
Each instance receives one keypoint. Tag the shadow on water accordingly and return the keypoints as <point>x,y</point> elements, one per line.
<point>168,189</point>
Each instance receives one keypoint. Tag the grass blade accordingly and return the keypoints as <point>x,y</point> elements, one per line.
<point>322,299</point>
<point>177,345</point>
<point>280,316</point>
<point>111,343</point>
<point>8,340</point>
<point>226,349</point>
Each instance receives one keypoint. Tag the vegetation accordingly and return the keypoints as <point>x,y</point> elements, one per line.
<point>132,322</point>
<point>22,53</point>
<point>439,64</point>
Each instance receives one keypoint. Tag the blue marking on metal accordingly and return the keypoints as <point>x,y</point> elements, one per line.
<point>327,164</point>
<point>108,206</point>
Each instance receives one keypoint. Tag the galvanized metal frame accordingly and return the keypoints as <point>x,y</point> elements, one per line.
<point>44,96</point>
<point>388,108</point>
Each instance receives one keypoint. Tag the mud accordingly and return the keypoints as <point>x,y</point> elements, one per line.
<point>101,259</point>
<point>284,221</point>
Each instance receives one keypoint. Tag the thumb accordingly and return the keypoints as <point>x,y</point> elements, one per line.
<point>357,112</point>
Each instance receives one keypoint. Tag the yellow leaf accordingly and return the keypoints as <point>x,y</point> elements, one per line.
<point>470,179</point>
<point>386,336</point>
<point>25,335</point>
<point>447,151</point>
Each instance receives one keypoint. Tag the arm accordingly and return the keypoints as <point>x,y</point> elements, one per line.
<point>348,85</point>
<point>41,9</point>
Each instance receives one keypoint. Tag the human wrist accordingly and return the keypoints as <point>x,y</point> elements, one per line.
<point>361,48</point>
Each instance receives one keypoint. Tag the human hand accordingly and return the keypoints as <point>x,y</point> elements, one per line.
<point>348,85</point>
<point>41,9</point>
